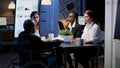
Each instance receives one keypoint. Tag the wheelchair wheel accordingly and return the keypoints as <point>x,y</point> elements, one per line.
<point>14,63</point>
<point>35,64</point>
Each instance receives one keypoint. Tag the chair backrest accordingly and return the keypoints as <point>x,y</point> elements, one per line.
<point>61,26</point>
<point>64,22</point>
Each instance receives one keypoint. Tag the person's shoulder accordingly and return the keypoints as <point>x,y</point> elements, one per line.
<point>34,36</point>
<point>96,26</point>
<point>21,33</point>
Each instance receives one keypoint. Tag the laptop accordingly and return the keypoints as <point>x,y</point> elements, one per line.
<point>3,21</point>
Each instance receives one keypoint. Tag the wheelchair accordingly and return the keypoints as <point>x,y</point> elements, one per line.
<point>14,63</point>
<point>24,58</point>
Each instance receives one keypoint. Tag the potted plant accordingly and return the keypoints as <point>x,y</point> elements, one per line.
<point>66,34</point>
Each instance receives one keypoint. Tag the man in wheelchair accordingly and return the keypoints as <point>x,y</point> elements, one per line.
<point>31,47</point>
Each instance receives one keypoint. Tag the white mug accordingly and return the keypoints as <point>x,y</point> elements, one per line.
<point>79,41</point>
<point>51,36</point>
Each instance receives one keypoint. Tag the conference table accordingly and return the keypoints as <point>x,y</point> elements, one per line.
<point>69,47</point>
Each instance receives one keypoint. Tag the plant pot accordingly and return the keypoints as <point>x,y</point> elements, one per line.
<point>67,38</point>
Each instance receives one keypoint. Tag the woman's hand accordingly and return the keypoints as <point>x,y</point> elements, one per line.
<point>74,41</point>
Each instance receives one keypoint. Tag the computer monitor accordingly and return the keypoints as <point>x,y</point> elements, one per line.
<point>81,20</point>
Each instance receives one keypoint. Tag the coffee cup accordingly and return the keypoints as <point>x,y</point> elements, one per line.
<point>51,36</point>
<point>81,41</point>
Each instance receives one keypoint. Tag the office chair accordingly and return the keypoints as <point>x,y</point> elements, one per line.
<point>100,54</point>
<point>61,25</point>
<point>94,57</point>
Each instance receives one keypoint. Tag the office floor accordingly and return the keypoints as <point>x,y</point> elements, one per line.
<point>6,56</point>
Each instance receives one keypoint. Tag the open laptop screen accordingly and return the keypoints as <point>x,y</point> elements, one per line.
<point>3,21</point>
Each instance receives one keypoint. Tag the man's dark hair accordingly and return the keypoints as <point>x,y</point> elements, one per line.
<point>28,24</point>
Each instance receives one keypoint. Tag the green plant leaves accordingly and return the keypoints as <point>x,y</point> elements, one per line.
<point>65,32</point>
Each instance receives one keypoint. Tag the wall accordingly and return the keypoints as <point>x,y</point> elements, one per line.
<point>49,18</point>
<point>5,12</point>
<point>98,6</point>
<point>108,33</point>
<point>65,6</point>
<point>116,34</point>
<point>116,53</point>
<point>117,22</point>
<point>6,33</point>
<point>111,47</point>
